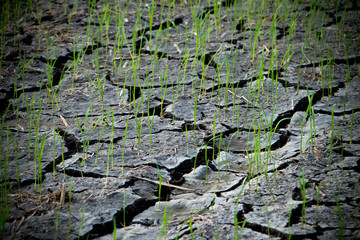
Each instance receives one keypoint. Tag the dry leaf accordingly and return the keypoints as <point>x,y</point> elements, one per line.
<point>62,196</point>
<point>177,48</point>
<point>64,121</point>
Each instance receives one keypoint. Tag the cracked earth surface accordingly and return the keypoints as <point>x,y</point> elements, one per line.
<point>270,151</point>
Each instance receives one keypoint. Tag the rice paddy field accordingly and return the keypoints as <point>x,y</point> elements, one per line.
<point>180,119</point>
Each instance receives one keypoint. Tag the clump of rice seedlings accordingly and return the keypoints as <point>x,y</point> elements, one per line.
<point>87,133</point>
<point>120,36</point>
<point>165,220</point>
<point>237,232</point>
<point>217,16</point>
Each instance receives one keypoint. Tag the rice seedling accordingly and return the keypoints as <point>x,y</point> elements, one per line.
<point>82,220</point>
<point>110,148</point>
<point>151,8</point>
<point>214,133</point>
<point>267,219</point>
<point>73,10</point>
<point>39,149</point>
<point>160,184</point>
<point>99,145</point>
<point>139,119</point>
<point>163,90</point>
<point>150,128</point>
<point>120,34</point>
<point>83,133</point>
<point>194,128</point>
<point>289,222</point>
<point>123,152</point>
<point>69,226</point>
<point>330,74</point>
<point>302,183</point>
<point>311,114</point>
<point>124,208</point>
<point>357,195</point>
<point>55,135</point>
<point>191,227</point>
<point>107,18</point>
<point>301,133</point>
<point>5,189</point>
<point>217,16</point>
<point>351,126</point>
<point>187,141</point>
<point>50,87</point>
<point>39,144</point>
<point>57,222</point>
<point>17,149</point>
<point>332,136</point>
<point>286,59</point>
<point>114,228</point>
<point>5,9</point>
<point>255,38</point>
<point>237,233</point>
<point>341,221</point>
<point>317,201</point>
<point>39,13</point>
<point>2,51</point>
<point>255,161</point>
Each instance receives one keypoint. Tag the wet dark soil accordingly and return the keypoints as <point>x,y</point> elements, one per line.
<point>166,141</point>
